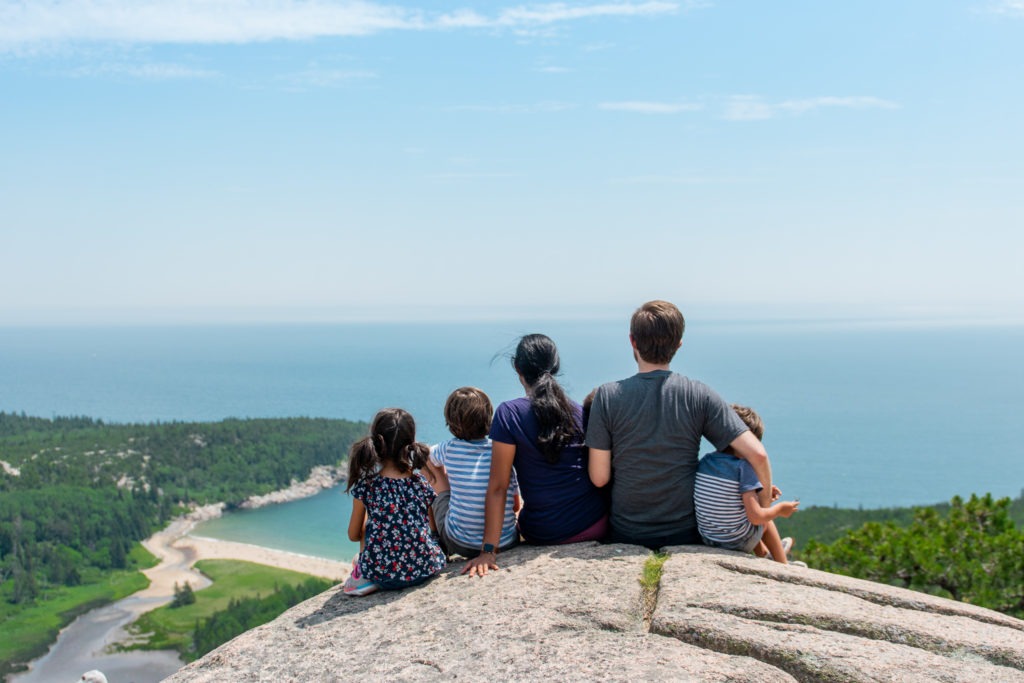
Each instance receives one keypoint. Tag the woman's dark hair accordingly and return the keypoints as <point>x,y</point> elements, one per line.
<point>392,440</point>
<point>536,359</point>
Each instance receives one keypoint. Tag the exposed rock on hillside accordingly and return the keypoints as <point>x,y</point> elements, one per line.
<point>578,613</point>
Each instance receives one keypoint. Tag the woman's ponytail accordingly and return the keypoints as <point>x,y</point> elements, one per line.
<point>536,360</point>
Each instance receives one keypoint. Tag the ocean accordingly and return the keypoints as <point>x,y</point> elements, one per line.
<point>857,413</point>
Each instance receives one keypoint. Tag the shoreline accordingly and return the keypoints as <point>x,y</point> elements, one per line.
<point>178,550</point>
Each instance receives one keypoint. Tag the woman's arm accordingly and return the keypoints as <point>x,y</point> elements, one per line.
<point>502,456</point>
<point>357,522</point>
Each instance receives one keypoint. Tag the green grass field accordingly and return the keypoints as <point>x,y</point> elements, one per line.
<point>27,632</point>
<point>171,629</point>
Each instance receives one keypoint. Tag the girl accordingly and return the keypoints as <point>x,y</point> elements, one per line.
<point>391,508</point>
<point>540,435</point>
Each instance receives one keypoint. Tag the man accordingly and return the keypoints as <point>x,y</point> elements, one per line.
<point>646,431</point>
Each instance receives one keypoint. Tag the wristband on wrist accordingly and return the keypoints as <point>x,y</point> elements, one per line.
<point>488,548</point>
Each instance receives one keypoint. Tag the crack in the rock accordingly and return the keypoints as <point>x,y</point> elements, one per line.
<point>875,598</point>
<point>804,667</point>
<point>889,633</point>
<point>649,590</point>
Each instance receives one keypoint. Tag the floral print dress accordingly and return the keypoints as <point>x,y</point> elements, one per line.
<point>399,547</point>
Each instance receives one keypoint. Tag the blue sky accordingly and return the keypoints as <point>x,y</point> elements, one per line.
<point>282,160</point>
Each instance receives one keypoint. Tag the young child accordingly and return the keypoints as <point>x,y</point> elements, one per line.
<point>461,469</point>
<point>391,508</point>
<point>729,514</point>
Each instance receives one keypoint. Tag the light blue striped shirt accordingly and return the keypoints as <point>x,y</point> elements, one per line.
<point>722,480</point>
<point>468,465</point>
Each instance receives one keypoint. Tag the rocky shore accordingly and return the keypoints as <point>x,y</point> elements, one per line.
<point>320,477</point>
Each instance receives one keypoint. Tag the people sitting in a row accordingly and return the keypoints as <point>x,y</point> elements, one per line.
<point>625,474</point>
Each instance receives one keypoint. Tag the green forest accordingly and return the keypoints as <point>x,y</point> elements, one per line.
<point>78,494</point>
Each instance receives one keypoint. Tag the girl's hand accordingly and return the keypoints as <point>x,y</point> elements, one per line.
<point>776,493</point>
<point>479,565</point>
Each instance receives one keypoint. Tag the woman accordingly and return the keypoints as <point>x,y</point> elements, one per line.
<point>541,436</point>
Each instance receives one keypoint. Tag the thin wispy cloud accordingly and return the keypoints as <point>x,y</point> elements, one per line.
<point>651,107</point>
<point>1010,7</point>
<point>553,69</point>
<point>559,12</point>
<point>540,107</point>
<point>677,180</point>
<point>470,176</point>
<point>148,72</point>
<point>54,22</point>
<point>326,78</point>
<point>753,108</point>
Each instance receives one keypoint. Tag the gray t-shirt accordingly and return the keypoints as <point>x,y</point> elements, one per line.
<point>652,423</point>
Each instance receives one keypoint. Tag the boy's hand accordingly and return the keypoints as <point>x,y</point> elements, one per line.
<point>787,508</point>
<point>776,493</point>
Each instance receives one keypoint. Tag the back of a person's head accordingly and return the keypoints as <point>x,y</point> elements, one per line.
<point>536,360</point>
<point>467,413</point>
<point>536,355</point>
<point>657,330</point>
<point>750,418</point>
<point>392,440</point>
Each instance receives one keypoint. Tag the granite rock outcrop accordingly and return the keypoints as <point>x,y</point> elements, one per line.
<point>579,612</point>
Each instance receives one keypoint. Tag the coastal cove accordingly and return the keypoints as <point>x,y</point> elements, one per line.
<point>313,526</point>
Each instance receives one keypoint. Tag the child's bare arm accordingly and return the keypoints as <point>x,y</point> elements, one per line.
<point>758,514</point>
<point>357,522</point>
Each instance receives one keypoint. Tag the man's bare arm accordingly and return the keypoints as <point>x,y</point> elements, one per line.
<point>750,448</point>
<point>600,467</point>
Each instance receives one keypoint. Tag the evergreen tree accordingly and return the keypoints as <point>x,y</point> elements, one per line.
<point>183,595</point>
<point>973,553</point>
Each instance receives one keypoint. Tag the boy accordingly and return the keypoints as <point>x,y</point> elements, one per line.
<point>729,514</point>
<point>460,469</point>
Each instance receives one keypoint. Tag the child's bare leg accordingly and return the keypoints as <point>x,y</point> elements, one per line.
<point>438,477</point>
<point>773,542</point>
<point>760,549</point>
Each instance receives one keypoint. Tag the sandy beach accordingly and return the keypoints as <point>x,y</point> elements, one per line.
<point>178,550</point>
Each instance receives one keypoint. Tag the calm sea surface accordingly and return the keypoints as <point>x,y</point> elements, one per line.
<point>856,413</point>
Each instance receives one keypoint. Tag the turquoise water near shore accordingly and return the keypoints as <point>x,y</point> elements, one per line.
<point>858,413</point>
<point>316,526</point>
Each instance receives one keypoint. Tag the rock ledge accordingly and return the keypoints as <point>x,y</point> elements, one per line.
<point>578,613</point>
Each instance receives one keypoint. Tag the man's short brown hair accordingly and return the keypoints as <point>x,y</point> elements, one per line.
<point>657,329</point>
<point>468,413</point>
<point>750,418</point>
